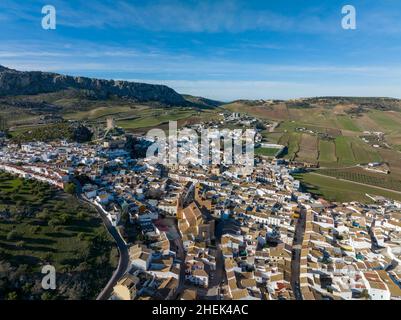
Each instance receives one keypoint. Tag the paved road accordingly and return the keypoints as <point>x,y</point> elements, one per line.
<point>375,245</point>
<point>181,256</point>
<point>296,257</point>
<point>123,255</point>
<point>219,273</point>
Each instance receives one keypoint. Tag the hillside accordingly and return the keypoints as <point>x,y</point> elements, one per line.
<point>30,99</point>
<point>40,225</point>
<point>13,83</point>
<point>70,131</point>
<point>341,135</point>
<point>202,102</point>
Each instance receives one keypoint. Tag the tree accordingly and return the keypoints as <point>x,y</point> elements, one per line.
<point>12,296</point>
<point>20,244</point>
<point>47,296</point>
<point>54,222</point>
<point>36,229</point>
<point>70,188</point>
<point>260,125</point>
<point>81,215</point>
<point>44,214</point>
<point>12,235</point>
<point>365,294</point>
<point>3,254</point>
<point>64,218</point>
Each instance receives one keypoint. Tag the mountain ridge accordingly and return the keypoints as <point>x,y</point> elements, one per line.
<point>14,83</point>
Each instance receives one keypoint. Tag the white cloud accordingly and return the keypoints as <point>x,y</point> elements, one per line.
<point>234,90</point>
<point>175,16</point>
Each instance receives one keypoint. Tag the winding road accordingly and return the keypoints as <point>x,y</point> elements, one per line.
<point>123,254</point>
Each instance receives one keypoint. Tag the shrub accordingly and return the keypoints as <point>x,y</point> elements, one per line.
<point>12,235</point>
<point>70,188</point>
<point>54,222</point>
<point>20,244</point>
<point>43,215</point>
<point>12,296</point>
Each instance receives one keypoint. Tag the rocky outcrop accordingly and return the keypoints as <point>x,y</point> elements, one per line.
<point>13,82</point>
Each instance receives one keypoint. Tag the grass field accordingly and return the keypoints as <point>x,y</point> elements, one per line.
<point>347,123</point>
<point>346,148</point>
<point>156,118</point>
<point>344,151</point>
<point>268,152</point>
<point>327,152</point>
<point>140,116</point>
<point>102,112</point>
<point>386,121</point>
<point>292,141</point>
<point>341,191</point>
<point>364,153</point>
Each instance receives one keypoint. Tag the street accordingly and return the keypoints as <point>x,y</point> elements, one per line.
<point>296,257</point>
<point>123,255</point>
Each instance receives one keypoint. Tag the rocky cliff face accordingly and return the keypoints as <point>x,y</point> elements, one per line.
<point>13,82</point>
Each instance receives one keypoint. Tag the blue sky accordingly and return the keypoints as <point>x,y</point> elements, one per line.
<point>219,49</point>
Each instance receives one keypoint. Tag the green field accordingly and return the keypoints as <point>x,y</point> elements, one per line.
<point>156,118</point>
<point>327,152</point>
<point>363,153</point>
<point>140,116</point>
<point>101,112</point>
<point>40,225</point>
<point>363,176</point>
<point>292,141</point>
<point>385,121</point>
<point>341,191</point>
<point>347,123</point>
<point>268,152</point>
<point>344,151</point>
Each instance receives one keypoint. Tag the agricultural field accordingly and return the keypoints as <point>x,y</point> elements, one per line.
<point>333,189</point>
<point>308,149</point>
<point>363,176</point>
<point>329,133</point>
<point>327,153</point>
<point>344,151</point>
<point>364,153</point>
<point>268,152</point>
<point>292,141</point>
<point>269,112</point>
<point>347,123</point>
<point>388,122</point>
<point>393,158</point>
<point>155,118</point>
<point>104,112</point>
<point>129,117</point>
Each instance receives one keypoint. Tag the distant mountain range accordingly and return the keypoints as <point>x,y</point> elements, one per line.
<point>15,83</point>
<point>29,83</point>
